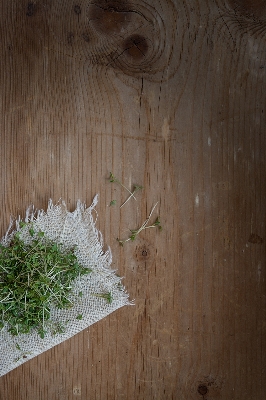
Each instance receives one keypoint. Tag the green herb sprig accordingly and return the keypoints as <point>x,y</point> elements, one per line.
<point>107,296</point>
<point>135,232</point>
<point>113,179</point>
<point>34,277</point>
<point>136,188</point>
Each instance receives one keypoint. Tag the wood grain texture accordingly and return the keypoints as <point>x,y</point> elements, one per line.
<point>169,95</point>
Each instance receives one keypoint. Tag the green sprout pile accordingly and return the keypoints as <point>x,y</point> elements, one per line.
<point>34,277</point>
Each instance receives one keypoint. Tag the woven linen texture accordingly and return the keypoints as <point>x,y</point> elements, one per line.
<point>69,229</point>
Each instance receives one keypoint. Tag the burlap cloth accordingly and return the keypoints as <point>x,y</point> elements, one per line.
<point>68,228</point>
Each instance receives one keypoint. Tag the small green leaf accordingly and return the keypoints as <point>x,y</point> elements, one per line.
<point>42,333</point>
<point>106,296</point>
<point>112,178</point>
<point>157,222</point>
<point>136,188</point>
<point>31,231</point>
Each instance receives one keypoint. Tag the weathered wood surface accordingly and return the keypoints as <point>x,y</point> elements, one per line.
<point>169,95</point>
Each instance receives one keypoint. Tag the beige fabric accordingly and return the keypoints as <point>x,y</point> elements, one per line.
<point>68,228</point>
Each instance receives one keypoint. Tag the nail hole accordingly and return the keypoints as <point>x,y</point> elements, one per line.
<point>143,253</point>
<point>202,390</point>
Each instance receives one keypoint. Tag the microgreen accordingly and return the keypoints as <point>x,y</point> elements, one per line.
<point>113,179</point>
<point>57,327</point>
<point>112,203</point>
<point>135,232</point>
<point>34,277</point>
<point>106,296</point>
<point>18,346</point>
<point>79,316</point>
<point>136,188</point>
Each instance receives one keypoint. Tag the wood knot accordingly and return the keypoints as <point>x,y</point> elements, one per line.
<point>109,17</point>
<point>134,39</point>
<point>136,47</point>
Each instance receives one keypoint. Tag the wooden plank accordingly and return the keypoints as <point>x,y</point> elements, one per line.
<point>169,95</point>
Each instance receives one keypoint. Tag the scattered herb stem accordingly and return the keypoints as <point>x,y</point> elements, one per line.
<point>136,188</point>
<point>106,296</point>
<point>113,179</point>
<point>135,232</point>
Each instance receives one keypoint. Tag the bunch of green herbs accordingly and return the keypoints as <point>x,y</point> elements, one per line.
<point>33,278</point>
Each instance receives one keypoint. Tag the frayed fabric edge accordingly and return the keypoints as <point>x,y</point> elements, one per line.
<point>106,278</point>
